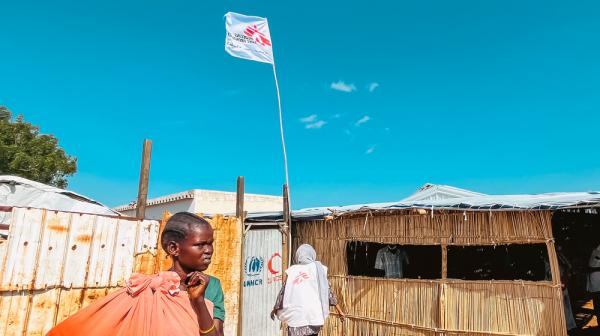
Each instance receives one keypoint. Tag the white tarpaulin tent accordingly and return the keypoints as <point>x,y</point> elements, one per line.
<point>449,198</point>
<point>23,193</point>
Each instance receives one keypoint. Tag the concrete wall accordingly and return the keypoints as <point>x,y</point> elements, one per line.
<point>156,211</point>
<point>211,202</point>
<point>218,202</point>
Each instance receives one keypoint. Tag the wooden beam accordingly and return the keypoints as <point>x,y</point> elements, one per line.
<point>239,213</point>
<point>140,211</point>
<point>442,286</point>
<point>286,230</point>
<point>239,204</point>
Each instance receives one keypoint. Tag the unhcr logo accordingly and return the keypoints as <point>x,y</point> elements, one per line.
<point>253,267</point>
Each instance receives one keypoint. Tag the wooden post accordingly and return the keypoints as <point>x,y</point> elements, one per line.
<point>286,243</point>
<point>239,204</point>
<point>239,213</point>
<point>286,230</point>
<point>555,274</point>
<point>442,289</point>
<point>140,212</point>
<point>444,260</point>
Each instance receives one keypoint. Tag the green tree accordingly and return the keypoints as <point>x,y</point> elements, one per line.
<point>27,153</point>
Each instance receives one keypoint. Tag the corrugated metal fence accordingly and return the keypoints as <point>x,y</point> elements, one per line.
<point>262,281</point>
<point>55,263</point>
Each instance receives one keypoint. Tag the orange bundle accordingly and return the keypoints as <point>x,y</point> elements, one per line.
<point>148,306</point>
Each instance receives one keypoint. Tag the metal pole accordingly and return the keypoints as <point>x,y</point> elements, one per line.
<point>285,163</point>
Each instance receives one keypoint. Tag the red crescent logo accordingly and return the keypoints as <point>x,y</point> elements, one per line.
<point>270,263</point>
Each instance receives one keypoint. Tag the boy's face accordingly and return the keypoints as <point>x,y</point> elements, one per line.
<point>195,252</point>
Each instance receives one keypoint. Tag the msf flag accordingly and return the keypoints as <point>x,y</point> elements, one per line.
<point>248,37</point>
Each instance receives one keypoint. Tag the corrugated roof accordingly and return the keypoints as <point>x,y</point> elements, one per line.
<point>549,201</point>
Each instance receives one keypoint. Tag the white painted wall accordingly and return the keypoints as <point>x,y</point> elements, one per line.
<point>210,202</point>
<point>156,211</point>
<point>218,202</point>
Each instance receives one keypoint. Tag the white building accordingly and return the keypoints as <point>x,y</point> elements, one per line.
<point>204,201</point>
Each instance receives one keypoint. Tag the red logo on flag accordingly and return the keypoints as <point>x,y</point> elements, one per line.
<point>260,38</point>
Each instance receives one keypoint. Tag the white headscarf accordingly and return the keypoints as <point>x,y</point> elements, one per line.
<point>306,254</point>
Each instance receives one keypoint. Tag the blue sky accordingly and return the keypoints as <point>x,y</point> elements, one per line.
<point>379,97</point>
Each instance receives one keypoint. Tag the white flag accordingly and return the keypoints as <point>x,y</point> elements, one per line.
<point>248,37</point>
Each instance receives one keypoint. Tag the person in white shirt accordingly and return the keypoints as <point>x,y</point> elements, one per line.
<point>304,300</point>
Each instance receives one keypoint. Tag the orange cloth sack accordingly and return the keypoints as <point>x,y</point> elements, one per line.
<point>150,305</point>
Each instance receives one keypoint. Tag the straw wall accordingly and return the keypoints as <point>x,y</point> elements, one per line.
<point>379,306</point>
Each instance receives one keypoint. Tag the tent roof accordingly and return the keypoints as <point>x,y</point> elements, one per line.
<point>549,201</point>
<point>20,192</point>
<point>432,192</point>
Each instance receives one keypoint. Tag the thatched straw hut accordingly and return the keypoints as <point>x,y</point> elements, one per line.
<point>447,237</point>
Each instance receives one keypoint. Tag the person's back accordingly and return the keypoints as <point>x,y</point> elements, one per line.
<point>304,300</point>
<point>302,303</point>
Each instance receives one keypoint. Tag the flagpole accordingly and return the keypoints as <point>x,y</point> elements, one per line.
<point>285,166</point>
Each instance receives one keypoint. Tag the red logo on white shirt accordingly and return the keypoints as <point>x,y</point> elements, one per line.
<point>300,278</point>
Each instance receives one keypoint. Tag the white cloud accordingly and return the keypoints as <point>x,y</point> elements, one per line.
<point>341,86</point>
<point>316,125</point>
<point>370,150</point>
<point>309,119</point>
<point>312,122</point>
<point>363,120</point>
<point>373,86</point>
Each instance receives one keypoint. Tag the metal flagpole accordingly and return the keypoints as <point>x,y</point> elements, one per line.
<point>285,165</point>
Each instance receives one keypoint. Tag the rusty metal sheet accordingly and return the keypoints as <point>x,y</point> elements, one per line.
<point>78,250</point>
<point>55,263</point>
<point>20,258</point>
<point>103,248</point>
<point>52,250</point>
<point>13,319</point>
<point>42,310</point>
<point>146,248</point>
<point>124,249</point>
<point>225,265</point>
<point>69,302</point>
